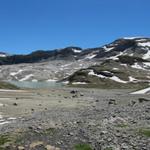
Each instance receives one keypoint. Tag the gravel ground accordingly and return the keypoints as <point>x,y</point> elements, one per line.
<point>60,119</point>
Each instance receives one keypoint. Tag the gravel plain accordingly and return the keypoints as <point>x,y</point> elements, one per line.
<point>61,118</point>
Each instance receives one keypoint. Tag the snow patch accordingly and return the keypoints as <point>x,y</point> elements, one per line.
<point>143,91</point>
<point>66,65</point>
<point>131,79</point>
<point>51,80</point>
<point>137,66</point>
<point>75,83</point>
<point>107,49</point>
<point>65,82</point>
<point>76,51</point>
<point>12,118</point>
<point>125,65</point>
<point>116,56</point>
<point>144,44</point>
<point>147,55</point>
<point>146,64</point>
<point>26,77</point>
<point>15,73</point>
<point>94,74</point>
<point>5,122</point>
<point>115,69</point>
<point>115,78</point>
<point>90,56</point>
<point>2,55</point>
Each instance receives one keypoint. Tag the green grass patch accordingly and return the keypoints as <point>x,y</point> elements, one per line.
<point>82,147</point>
<point>5,85</point>
<point>4,139</point>
<point>122,125</point>
<point>49,131</point>
<point>145,132</point>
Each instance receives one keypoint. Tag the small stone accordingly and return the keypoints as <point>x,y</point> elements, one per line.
<point>74,96</point>
<point>71,133</point>
<point>73,92</point>
<point>31,128</point>
<point>112,102</point>
<point>15,104</point>
<point>81,94</point>
<point>133,103</point>
<point>141,100</point>
<point>35,144</point>
<point>21,148</point>
<point>49,147</point>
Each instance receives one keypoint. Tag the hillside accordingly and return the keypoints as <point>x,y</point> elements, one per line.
<point>5,85</point>
<point>123,63</point>
<point>125,72</point>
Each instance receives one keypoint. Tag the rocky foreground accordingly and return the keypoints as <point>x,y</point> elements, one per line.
<point>74,119</point>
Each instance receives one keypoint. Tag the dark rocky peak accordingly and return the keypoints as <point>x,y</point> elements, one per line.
<point>70,50</point>
<point>3,54</point>
<point>120,45</point>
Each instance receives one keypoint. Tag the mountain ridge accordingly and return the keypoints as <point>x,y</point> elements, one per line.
<point>139,47</point>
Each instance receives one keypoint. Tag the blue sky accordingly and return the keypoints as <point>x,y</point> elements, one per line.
<point>28,25</point>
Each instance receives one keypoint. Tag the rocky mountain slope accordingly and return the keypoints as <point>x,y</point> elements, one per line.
<point>124,62</point>
<point>125,72</point>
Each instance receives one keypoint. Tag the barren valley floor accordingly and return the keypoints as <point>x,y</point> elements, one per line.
<point>74,119</point>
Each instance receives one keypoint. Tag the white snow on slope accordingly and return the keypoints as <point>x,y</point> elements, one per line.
<point>137,66</point>
<point>115,78</point>
<point>76,83</point>
<point>144,44</point>
<point>5,122</point>
<point>66,65</point>
<point>146,64</point>
<point>26,77</point>
<point>52,80</point>
<point>116,69</point>
<point>147,55</point>
<point>76,51</point>
<point>2,55</point>
<point>107,49</point>
<point>116,56</point>
<point>131,79</point>
<point>15,73</point>
<point>90,56</point>
<point>94,74</point>
<point>143,91</point>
